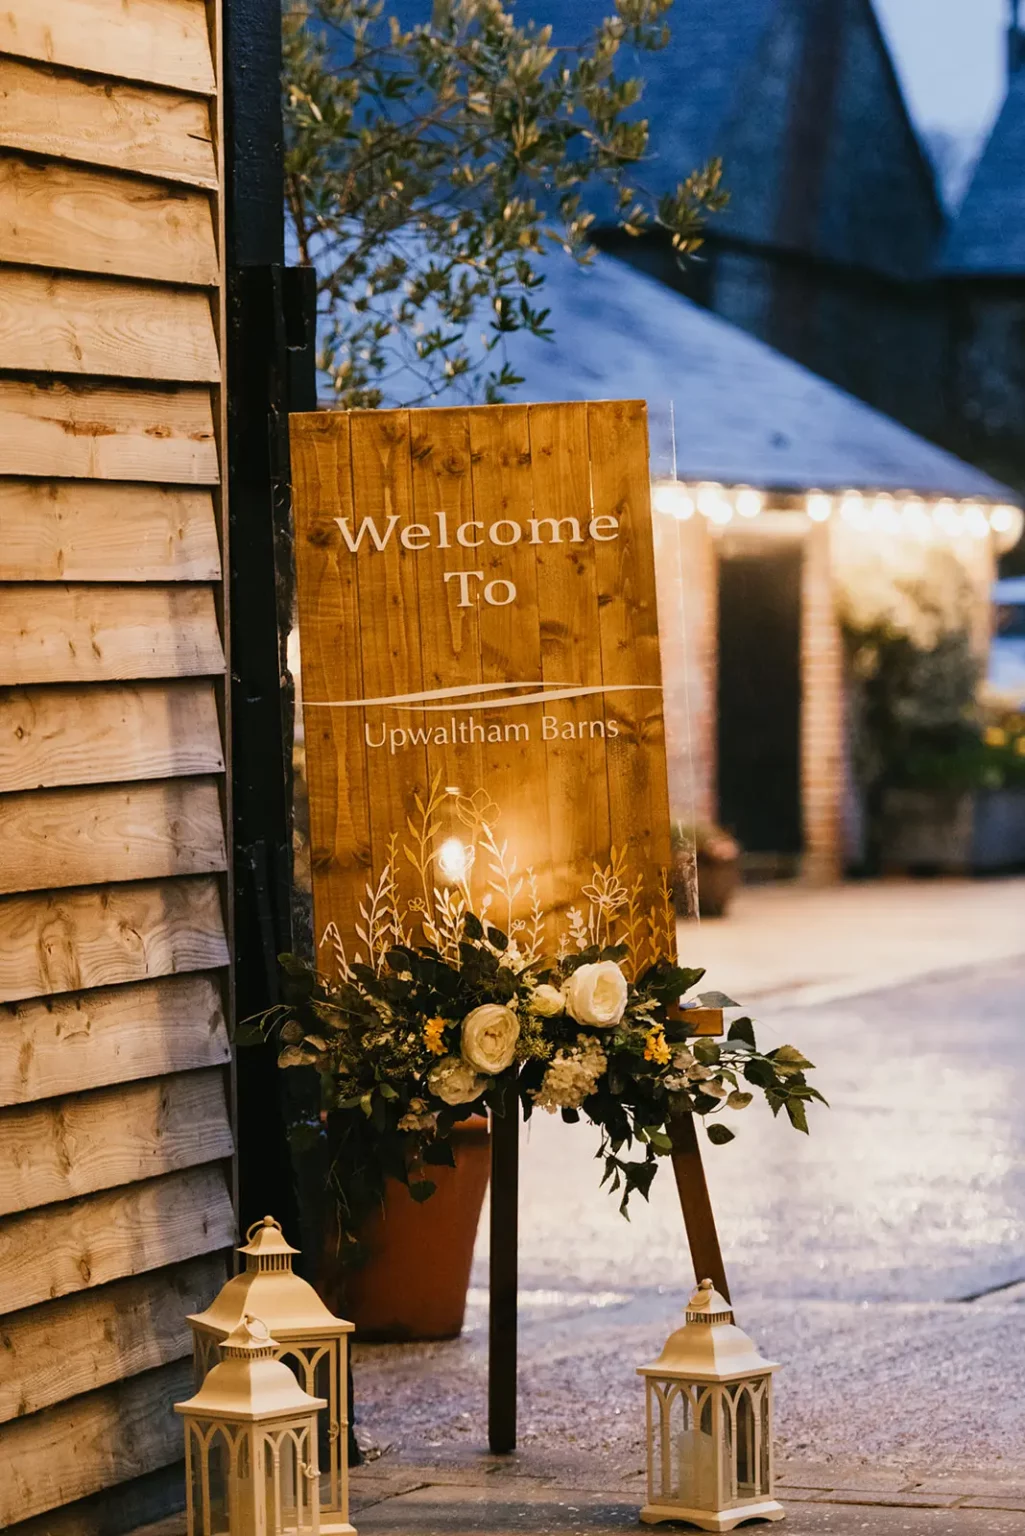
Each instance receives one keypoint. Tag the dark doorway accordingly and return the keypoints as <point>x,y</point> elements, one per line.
<point>760,697</point>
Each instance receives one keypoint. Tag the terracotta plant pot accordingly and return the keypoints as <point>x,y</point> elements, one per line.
<point>414,1283</point>
<point>717,881</point>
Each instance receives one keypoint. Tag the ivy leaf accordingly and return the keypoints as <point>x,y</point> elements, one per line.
<point>716,1000</point>
<point>472,926</point>
<point>248,1035</point>
<point>743,1030</point>
<point>798,1117</point>
<point>422,1190</point>
<point>719,1135</point>
<point>498,939</point>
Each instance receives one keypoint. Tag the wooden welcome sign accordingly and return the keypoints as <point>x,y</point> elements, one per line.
<point>480,671</point>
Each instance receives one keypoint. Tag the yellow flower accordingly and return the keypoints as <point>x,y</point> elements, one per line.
<point>656,1047</point>
<point>433,1031</point>
<point>1019,746</point>
<point>995,736</point>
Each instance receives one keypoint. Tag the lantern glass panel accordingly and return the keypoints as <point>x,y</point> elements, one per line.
<point>288,1488</point>
<point>210,1479</point>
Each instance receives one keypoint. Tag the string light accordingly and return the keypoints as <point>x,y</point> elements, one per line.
<point>902,513</point>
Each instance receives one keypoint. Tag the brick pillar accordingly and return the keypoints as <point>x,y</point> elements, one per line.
<point>687,578</point>
<point>822,714</point>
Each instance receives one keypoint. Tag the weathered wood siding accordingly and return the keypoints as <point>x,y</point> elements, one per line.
<point>115,1133</point>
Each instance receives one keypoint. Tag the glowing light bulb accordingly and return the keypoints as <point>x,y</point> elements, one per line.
<point>853,510</point>
<point>748,501</point>
<point>1007,523</point>
<point>453,860</point>
<point>818,506</point>
<point>672,499</point>
<point>976,522</point>
<point>709,499</point>
<point>885,515</point>
<point>721,512</point>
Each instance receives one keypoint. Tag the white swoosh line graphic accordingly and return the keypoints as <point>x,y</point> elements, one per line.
<point>433,693</point>
<point>548,695</point>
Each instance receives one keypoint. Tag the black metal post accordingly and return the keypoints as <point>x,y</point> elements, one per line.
<point>270,369</point>
<point>503,1277</point>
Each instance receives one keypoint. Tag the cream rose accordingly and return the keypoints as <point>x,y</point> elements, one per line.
<point>546,1000</point>
<point>455,1081</point>
<point>490,1034</point>
<point>596,994</point>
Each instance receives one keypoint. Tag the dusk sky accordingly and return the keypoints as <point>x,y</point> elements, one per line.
<point>951,57</point>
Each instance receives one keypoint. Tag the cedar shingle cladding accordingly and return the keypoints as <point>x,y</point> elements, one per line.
<point>115,1136</point>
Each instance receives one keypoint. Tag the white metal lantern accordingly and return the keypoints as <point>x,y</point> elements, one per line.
<point>709,1416</point>
<point>251,1444</point>
<point>310,1340</point>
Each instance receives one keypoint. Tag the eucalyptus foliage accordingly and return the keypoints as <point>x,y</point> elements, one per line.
<point>430,172</point>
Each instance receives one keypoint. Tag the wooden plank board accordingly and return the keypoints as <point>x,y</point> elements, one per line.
<point>60,837</point>
<point>117,1433</point>
<point>115,1035</point>
<point>65,941</point>
<point>80,634</point>
<point>58,215</point>
<point>72,1146</point>
<point>163,41</point>
<point>49,1253</point>
<point>132,1506</point>
<point>56,323</point>
<point>638,795</point>
<point>578,818</point>
<point>98,432</point>
<point>105,734</point>
<point>64,530</point>
<point>105,122</point>
<point>510,649</point>
<point>336,775</point>
<point>64,1348</point>
<point>390,650</point>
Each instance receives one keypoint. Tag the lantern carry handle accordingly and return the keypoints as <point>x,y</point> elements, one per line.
<point>267,1221</point>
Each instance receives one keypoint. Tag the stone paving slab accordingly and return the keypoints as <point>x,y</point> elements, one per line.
<point>456,1510</point>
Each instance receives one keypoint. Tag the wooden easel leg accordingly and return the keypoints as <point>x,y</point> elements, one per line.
<point>698,1217</point>
<point>503,1279</point>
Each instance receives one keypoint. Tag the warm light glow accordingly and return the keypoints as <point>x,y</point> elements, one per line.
<point>672,499</point>
<point>721,512</point>
<point>710,500</point>
<point>853,510</point>
<point>818,506</point>
<point>748,501</point>
<point>885,515</point>
<point>453,860</point>
<point>976,522</point>
<point>1007,523</point>
<point>946,514</point>
<point>914,518</point>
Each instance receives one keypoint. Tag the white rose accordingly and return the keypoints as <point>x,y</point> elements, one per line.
<point>490,1034</point>
<point>596,994</point>
<point>454,1080</point>
<point>546,1000</point>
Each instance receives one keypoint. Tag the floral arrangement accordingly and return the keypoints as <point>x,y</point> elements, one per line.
<point>422,1029</point>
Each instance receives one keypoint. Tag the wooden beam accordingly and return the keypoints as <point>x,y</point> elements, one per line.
<point>117,1433</point>
<point>64,1348</point>
<point>696,1204</point>
<point>74,1146</point>
<point>59,215</point>
<point>79,530</point>
<point>64,941</point>
<point>61,837</point>
<point>56,1252</point>
<point>80,634</point>
<point>105,733</point>
<point>114,1035</point>
<point>103,122</point>
<point>164,41</point>
<point>107,432</point>
<point>56,323</point>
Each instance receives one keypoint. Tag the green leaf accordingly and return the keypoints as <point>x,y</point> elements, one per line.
<point>248,1035</point>
<point>716,1000</point>
<point>789,1059</point>
<point>472,926</point>
<point>744,1030</point>
<point>719,1135</point>
<point>422,1190</point>
<point>707,1052</point>
<point>498,939</point>
<point>798,1118</point>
